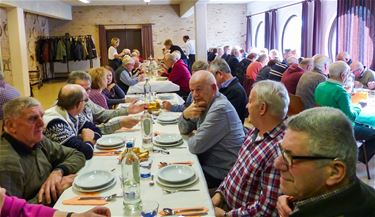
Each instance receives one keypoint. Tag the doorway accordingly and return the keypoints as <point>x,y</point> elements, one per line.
<point>129,38</point>
<point>132,38</point>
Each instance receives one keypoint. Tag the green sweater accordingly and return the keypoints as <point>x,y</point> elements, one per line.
<point>332,94</point>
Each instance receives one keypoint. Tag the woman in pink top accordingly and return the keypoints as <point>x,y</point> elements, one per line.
<point>13,206</point>
<point>180,74</point>
<point>98,84</point>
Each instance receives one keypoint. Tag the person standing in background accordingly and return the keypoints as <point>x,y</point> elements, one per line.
<point>114,58</point>
<point>190,50</point>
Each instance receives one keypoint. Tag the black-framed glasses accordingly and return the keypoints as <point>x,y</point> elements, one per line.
<point>288,157</point>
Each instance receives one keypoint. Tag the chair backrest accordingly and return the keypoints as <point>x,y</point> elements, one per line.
<point>295,105</point>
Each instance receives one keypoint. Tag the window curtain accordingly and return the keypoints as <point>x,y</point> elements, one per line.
<point>147,46</point>
<point>355,30</point>
<point>270,32</point>
<point>304,33</point>
<point>103,46</point>
<point>317,32</point>
<point>249,35</point>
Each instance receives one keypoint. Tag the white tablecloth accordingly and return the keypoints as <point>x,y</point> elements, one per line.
<point>175,200</point>
<point>156,86</point>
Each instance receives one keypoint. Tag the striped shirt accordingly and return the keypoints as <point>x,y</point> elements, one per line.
<point>251,187</point>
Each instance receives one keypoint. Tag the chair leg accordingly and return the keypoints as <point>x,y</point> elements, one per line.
<point>366,160</point>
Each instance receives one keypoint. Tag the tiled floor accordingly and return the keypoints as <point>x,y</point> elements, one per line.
<point>47,95</point>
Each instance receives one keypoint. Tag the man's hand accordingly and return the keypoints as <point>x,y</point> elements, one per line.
<point>371,85</point>
<point>49,190</point>
<point>88,135</point>
<point>2,197</point>
<point>195,110</point>
<point>99,211</point>
<point>358,84</point>
<point>282,206</point>
<point>167,105</point>
<point>217,199</point>
<point>141,77</point>
<point>128,122</point>
<point>219,212</point>
<point>66,182</point>
<point>136,108</point>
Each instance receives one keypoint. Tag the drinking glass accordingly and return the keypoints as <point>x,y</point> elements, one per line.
<point>149,208</point>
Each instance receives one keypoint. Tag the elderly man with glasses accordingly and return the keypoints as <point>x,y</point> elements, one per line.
<point>65,124</point>
<point>318,169</point>
<point>251,187</point>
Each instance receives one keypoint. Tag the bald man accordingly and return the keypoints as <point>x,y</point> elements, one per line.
<point>219,131</point>
<point>364,76</point>
<point>65,125</point>
<point>344,56</point>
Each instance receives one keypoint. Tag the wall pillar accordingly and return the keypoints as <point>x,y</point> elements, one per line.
<point>200,16</point>
<point>18,50</point>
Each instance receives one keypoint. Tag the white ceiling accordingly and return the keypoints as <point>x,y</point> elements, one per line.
<point>152,2</point>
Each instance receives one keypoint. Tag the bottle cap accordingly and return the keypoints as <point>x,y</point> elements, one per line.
<point>129,145</point>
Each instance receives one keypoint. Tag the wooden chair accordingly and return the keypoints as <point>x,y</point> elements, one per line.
<point>295,105</point>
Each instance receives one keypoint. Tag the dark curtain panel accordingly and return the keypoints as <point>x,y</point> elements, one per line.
<point>270,33</point>
<point>355,29</point>
<point>304,33</point>
<point>249,35</point>
<point>147,46</point>
<point>274,33</point>
<point>317,40</point>
<point>267,30</point>
<point>103,46</point>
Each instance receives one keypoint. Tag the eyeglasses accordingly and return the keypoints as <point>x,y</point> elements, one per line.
<point>288,157</point>
<point>85,100</point>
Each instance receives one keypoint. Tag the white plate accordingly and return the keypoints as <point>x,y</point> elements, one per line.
<point>110,141</point>
<point>169,145</point>
<point>111,184</point>
<point>180,185</point>
<point>167,123</point>
<point>176,174</point>
<point>110,147</point>
<point>168,116</point>
<point>168,138</point>
<point>165,96</point>
<point>94,179</point>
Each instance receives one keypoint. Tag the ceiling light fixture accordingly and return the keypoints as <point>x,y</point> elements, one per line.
<point>84,1</point>
<point>147,1</point>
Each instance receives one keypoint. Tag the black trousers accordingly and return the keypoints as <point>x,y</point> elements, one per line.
<point>191,60</point>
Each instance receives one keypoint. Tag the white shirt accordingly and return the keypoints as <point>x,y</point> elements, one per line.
<point>111,52</point>
<point>190,47</point>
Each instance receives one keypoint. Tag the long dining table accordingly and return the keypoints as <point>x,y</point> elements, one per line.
<point>154,192</point>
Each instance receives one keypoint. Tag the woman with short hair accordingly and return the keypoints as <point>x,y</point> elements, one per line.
<point>98,84</point>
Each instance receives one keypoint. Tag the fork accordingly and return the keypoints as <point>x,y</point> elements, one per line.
<point>106,198</point>
<point>181,190</point>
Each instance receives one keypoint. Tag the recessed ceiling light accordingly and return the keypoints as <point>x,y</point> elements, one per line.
<point>84,1</point>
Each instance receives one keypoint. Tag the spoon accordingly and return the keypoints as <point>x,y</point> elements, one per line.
<point>169,211</point>
<point>152,183</point>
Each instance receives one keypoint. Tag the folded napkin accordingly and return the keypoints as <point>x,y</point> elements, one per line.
<point>109,152</point>
<point>198,211</point>
<point>94,202</point>
<point>187,163</point>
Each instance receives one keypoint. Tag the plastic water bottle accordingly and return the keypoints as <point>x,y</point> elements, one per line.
<point>147,131</point>
<point>147,91</point>
<point>130,177</point>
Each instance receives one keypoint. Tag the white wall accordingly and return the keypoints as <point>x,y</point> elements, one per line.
<point>51,8</point>
<point>329,11</point>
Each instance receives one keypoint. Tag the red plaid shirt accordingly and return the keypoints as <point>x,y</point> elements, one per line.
<point>252,185</point>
